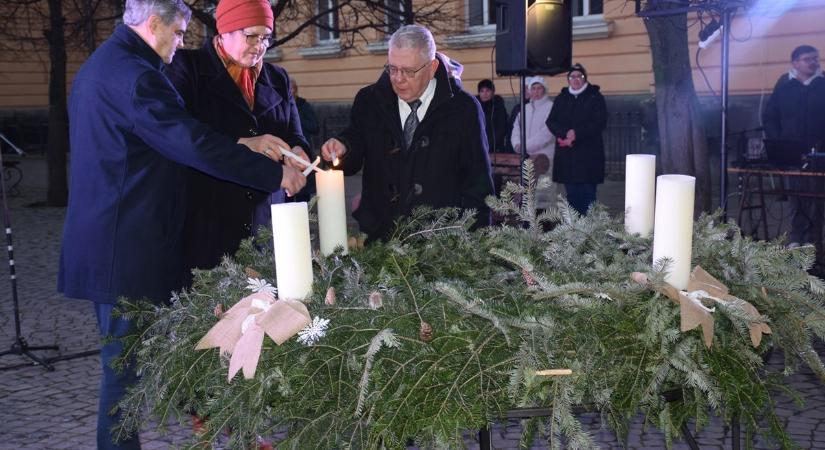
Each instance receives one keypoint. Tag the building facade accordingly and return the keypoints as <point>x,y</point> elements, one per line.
<point>609,40</point>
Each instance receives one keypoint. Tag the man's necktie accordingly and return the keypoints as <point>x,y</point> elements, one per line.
<point>411,123</point>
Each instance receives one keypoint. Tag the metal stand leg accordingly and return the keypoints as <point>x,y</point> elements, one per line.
<point>689,439</point>
<point>20,346</point>
<point>484,439</point>
<point>735,433</point>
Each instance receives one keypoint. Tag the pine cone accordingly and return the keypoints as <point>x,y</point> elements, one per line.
<point>252,273</point>
<point>356,242</point>
<point>425,333</point>
<point>528,278</point>
<point>376,300</point>
<point>330,298</point>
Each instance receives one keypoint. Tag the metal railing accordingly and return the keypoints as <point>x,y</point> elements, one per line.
<point>623,136</point>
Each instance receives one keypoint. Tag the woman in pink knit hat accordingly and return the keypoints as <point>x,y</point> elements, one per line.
<point>227,84</point>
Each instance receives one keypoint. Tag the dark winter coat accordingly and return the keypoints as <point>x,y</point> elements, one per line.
<point>446,166</point>
<point>309,121</point>
<point>797,112</point>
<point>130,139</point>
<point>219,214</point>
<point>587,115</point>
<point>495,120</point>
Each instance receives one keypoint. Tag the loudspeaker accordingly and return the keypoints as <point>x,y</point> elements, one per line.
<point>533,37</point>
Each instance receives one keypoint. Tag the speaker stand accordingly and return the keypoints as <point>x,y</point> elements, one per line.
<point>522,130</point>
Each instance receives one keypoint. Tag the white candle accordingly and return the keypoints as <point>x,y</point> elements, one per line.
<point>293,253</point>
<point>332,210</point>
<point>673,233</point>
<point>639,193</point>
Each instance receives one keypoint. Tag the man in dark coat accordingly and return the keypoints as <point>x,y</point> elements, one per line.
<point>418,136</point>
<point>220,214</point>
<point>578,118</point>
<point>130,139</point>
<point>796,113</point>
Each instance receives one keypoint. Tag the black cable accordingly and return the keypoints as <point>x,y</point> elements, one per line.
<point>704,75</point>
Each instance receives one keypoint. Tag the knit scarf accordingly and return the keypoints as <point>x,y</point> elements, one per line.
<point>244,77</point>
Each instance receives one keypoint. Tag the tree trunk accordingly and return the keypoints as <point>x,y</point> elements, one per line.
<point>683,143</point>
<point>58,138</point>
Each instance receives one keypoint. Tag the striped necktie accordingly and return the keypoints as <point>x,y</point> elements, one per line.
<point>411,123</point>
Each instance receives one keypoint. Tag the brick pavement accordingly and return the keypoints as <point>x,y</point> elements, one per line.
<point>56,410</point>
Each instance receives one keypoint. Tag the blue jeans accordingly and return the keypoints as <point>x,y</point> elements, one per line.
<point>581,196</point>
<point>113,384</point>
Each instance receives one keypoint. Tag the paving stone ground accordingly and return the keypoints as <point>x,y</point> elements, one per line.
<point>57,410</point>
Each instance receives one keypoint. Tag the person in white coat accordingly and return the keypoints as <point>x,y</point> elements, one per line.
<point>541,144</point>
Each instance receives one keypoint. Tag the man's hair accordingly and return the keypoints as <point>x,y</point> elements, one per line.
<point>486,83</point>
<point>414,37</point>
<point>801,50</point>
<point>137,11</point>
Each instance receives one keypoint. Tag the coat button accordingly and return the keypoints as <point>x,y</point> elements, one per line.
<point>248,195</point>
<point>425,142</point>
<point>253,132</point>
<point>418,189</point>
<point>247,227</point>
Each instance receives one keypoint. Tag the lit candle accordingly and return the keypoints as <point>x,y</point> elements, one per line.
<point>332,211</point>
<point>673,233</point>
<point>293,253</point>
<point>639,193</point>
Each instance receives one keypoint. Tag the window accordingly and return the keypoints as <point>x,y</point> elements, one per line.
<point>587,7</point>
<point>481,13</point>
<point>328,23</point>
<point>588,23</point>
<point>395,15</point>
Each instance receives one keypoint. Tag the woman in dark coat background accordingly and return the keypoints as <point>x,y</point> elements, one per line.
<point>578,118</point>
<point>495,114</point>
<point>227,85</point>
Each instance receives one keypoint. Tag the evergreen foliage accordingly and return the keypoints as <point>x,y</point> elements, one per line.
<point>503,303</point>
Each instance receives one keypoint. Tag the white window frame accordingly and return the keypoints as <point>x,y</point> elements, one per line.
<point>400,5</point>
<point>590,26</point>
<point>586,9</point>
<point>381,47</point>
<point>485,26</point>
<point>335,37</point>
<point>324,48</point>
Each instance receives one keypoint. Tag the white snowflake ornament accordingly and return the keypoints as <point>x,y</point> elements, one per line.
<point>313,332</point>
<point>260,285</point>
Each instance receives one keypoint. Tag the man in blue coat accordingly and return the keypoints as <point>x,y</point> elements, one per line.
<point>131,138</point>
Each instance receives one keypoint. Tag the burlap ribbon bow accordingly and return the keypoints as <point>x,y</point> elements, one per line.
<point>240,331</point>
<point>694,313</point>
